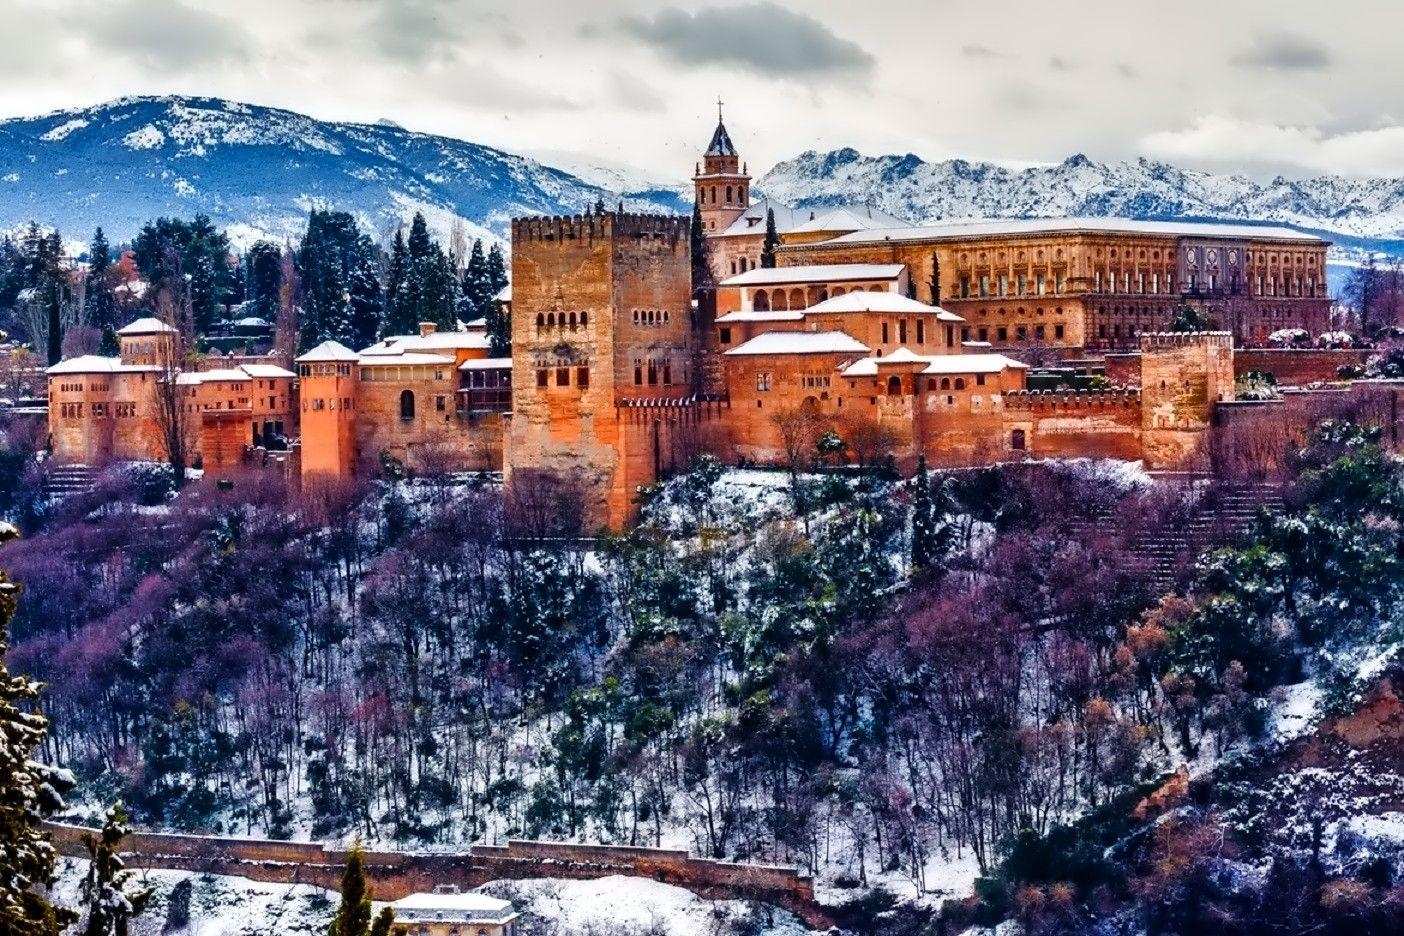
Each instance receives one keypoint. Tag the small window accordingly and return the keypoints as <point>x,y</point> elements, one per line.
<point>542,377</point>
<point>563,376</point>
<point>1016,440</point>
<point>406,404</point>
<point>726,336</point>
<point>438,404</point>
<point>582,377</point>
<point>763,380</point>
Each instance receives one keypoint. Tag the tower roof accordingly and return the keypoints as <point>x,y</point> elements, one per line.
<point>721,142</point>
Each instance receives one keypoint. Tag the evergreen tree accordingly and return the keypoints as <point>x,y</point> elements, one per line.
<point>339,270</point>
<point>367,297</point>
<point>384,923</point>
<point>190,261</point>
<point>496,318</point>
<point>99,303</point>
<point>701,261</point>
<point>935,284</point>
<point>923,518</point>
<point>772,240</point>
<point>112,902</point>
<point>29,793</point>
<point>395,282</point>
<point>429,290</point>
<point>263,279</point>
<point>353,917</point>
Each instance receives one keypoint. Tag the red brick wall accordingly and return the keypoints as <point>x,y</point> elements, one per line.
<point>1294,368</point>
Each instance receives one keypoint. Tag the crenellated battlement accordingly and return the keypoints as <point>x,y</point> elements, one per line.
<point>564,229</point>
<point>1073,400</point>
<point>1158,341</point>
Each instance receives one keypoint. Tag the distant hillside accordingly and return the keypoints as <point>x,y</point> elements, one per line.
<point>257,171</point>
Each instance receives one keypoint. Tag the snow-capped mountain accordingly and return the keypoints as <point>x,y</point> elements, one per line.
<point>1352,212</point>
<point>258,171</point>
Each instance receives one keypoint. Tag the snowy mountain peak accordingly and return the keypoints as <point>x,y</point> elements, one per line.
<point>1352,212</point>
<point>258,171</point>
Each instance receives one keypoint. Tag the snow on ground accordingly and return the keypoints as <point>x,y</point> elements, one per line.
<point>1297,712</point>
<point>617,905</point>
<point>219,906</point>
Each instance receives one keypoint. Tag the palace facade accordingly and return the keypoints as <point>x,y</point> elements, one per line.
<point>903,340</point>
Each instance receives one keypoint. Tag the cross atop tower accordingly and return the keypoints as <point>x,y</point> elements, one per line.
<point>719,107</point>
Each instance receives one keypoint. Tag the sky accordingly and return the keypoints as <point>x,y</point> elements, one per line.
<point>1262,88</point>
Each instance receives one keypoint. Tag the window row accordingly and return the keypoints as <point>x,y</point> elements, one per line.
<point>652,317</point>
<point>1022,285</point>
<point>563,374</point>
<point>562,320</point>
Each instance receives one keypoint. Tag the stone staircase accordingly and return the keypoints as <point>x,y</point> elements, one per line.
<point>66,480</point>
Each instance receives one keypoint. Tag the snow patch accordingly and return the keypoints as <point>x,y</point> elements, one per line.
<point>148,137</point>
<point>64,129</point>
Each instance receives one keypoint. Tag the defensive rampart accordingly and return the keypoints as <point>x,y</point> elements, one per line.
<point>397,874</point>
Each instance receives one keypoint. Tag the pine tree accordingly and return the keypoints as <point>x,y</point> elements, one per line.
<point>395,282</point>
<point>701,261</point>
<point>99,303</point>
<point>367,297</point>
<point>935,284</point>
<point>353,917</point>
<point>772,240</point>
<point>474,292</point>
<point>29,793</point>
<point>263,279</point>
<point>112,902</point>
<point>429,290</point>
<point>384,923</point>
<point>495,316</point>
<point>923,518</point>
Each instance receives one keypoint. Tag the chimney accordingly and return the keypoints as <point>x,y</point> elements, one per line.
<point>427,328</point>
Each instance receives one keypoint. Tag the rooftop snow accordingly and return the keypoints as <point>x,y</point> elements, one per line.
<point>328,351</point>
<point>492,363</point>
<point>772,316</point>
<point>890,302</point>
<point>434,341</point>
<point>150,325</point>
<point>830,342</point>
<point>936,363</point>
<point>96,364</point>
<point>816,273</point>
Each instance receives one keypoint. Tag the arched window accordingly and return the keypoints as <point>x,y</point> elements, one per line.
<point>540,320</point>
<point>572,320</point>
<point>960,383</point>
<point>728,194</point>
<point>551,319</point>
<point>945,383</point>
<point>714,194</point>
<point>839,291</point>
<point>1016,440</point>
<point>407,404</point>
<point>797,300</point>
<point>761,301</point>
<point>584,319</point>
<point>894,385</point>
<point>781,304</point>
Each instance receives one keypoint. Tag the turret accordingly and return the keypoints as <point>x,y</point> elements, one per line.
<point>721,185</point>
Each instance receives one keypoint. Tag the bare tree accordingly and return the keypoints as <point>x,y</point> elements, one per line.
<point>285,335</point>
<point>173,411</point>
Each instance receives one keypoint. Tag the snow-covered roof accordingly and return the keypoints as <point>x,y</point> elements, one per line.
<point>888,302</point>
<point>491,363</point>
<point>752,220</point>
<point>743,316</point>
<point>477,324</point>
<point>848,218</point>
<point>96,364</point>
<point>785,342</point>
<point>1026,226</point>
<point>448,908</point>
<point>328,351</point>
<point>504,294</point>
<point>211,376</point>
<point>150,325</point>
<point>253,321</point>
<point>816,273</point>
<point>434,341</point>
<point>935,363</point>
<point>406,358</point>
<point>721,142</point>
<point>266,370</point>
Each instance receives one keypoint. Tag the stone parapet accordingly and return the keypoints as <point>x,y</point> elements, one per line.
<point>561,228</point>
<point>1156,341</point>
<point>1072,400</point>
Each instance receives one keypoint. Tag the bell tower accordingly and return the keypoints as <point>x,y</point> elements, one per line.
<point>721,185</point>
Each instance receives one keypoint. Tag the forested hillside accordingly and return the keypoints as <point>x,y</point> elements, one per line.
<point>902,685</point>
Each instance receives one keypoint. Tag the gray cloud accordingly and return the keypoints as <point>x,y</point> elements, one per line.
<point>1284,52</point>
<point>1126,71</point>
<point>976,50</point>
<point>1058,63</point>
<point>636,95</point>
<point>762,37</point>
<point>413,31</point>
<point>165,35</point>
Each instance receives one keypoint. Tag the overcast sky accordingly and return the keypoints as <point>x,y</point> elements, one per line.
<point>1258,86</point>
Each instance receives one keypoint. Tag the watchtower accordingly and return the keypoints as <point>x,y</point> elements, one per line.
<point>1184,375</point>
<point>721,185</point>
<point>328,382</point>
<point>601,316</point>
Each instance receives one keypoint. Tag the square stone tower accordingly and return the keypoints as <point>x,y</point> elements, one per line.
<point>1184,375</point>
<point>601,320</point>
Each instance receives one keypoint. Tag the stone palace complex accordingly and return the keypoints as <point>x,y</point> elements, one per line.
<point>903,340</point>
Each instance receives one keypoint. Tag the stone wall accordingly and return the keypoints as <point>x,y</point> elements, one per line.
<point>398,874</point>
<point>1075,424</point>
<point>1294,367</point>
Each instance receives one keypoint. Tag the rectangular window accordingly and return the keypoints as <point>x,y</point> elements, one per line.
<point>582,377</point>
<point>884,333</point>
<point>1041,284</point>
<point>921,332</point>
<point>984,287</point>
<point>1097,281</point>
<point>763,380</point>
<point>1058,283</point>
<point>901,331</point>
<point>1039,333</point>
<point>965,287</point>
<point>815,381</point>
<point>726,336</point>
<point>438,404</point>
<point>543,377</point>
<point>1155,282</point>
<point>983,334</point>
<point>1023,284</point>
<point>1022,333</point>
<point>1058,332</point>
<point>667,374</point>
<point>1003,284</point>
<point>1002,333</point>
<point>980,380</point>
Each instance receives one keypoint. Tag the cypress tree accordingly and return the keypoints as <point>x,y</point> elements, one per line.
<point>772,240</point>
<point>29,793</point>
<point>395,281</point>
<point>924,539</point>
<point>935,283</point>
<point>112,902</point>
<point>701,262</point>
<point>353,917</point>
<point>384,922</point>
<point>99,304</point>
